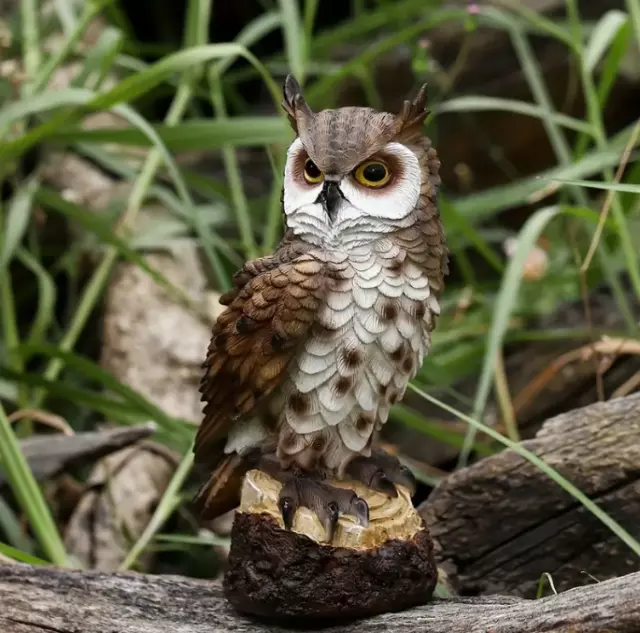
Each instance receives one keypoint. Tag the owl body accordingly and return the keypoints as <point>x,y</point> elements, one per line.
<point>321,338</point>
<point>368,339</point>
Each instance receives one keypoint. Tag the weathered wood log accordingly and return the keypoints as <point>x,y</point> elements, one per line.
<point>49,455</point>
<point>115,508</point>
<point>47,600</point>
<point>502,523</point>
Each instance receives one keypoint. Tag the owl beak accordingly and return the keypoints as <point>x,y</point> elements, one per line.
<point>330,197</point>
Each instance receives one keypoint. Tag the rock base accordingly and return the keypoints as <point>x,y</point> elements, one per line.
<point>283,575</point>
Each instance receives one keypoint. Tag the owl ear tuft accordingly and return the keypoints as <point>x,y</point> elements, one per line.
<point>412,116</point>
<point>294,103</point>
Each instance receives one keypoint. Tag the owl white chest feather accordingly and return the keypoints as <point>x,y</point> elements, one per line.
<point>374,339</point>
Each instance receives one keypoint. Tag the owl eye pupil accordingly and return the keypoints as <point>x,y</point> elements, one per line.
<point>311,169</point>
<point>375,172</point>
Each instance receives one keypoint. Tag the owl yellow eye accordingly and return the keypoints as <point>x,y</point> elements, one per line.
<point>311,173</point>
<point>373,173</point>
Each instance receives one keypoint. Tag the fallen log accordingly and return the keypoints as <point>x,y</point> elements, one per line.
<point>48,600</point>
<point>49,455</point>
<point>500,524</point>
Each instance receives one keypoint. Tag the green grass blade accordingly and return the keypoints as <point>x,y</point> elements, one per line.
<point>232,170</point>
<point>127,90</point>
<point>117,411</point>
<point>100,59</point>
<point>412,420</point>
<point>455,221</point>
<point>294,38</point>
<point>252,33</point>
<point>205,538</point>
<point>322,90</point>
<point>66,15</point>
<point>102,229</point>
<point>526,20</point>
<point>622,187</point>
<point>476,103</point>
<point>28,493</point>
<point>380,18</point>
<point>12,529</point>
<point>31,41</point>
<point>274,216</point>
<point>58,57</point>
<point>196,32</point>
<point>92,371</point>
<point>535,79</point>
<point>310,11</point>
<point>485,204</point>
<point>133,87</point>
<point>169,502</point>
<point>602,36</point>
<point>20,556</point>
<point>194,134</point>
<point>16,222</point>
<point>47,293</point>
<point>505,302</point>
<point>633,6</point>
<point>611,68</point>
<point>50,100</point>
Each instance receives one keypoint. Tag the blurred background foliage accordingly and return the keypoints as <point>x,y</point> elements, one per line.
<point>141,150</point>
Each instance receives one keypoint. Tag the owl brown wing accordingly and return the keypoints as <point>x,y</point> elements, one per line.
<point>269,313</point>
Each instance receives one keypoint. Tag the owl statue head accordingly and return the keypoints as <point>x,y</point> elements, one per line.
<point>354,174</point>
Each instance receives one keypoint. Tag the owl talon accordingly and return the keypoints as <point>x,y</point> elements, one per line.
<point>406,478</point>
<point>382,472</point>
<point>327,502</point>
<point>382,483</point>
<point>360,509</point>
<point>330,520</point>
<point>287,510</point>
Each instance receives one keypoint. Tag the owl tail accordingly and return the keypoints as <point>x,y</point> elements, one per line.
<point>220,493</point>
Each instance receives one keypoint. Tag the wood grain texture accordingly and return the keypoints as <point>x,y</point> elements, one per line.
<point>501,523</point>
<point>46,600</point>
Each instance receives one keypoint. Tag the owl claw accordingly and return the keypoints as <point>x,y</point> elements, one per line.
<point>382,472</point>
<point>288,510</point>
<point>322,499</point>
<point>360,509</point>
<point>382,483</point>
<point>406,478</point>
<point>331,520</point>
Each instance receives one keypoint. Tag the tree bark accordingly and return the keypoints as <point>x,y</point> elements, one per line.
<point>48,600</point>
<point>500,524</point>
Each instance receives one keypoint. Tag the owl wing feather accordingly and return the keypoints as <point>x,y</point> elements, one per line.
<point>269,313</point>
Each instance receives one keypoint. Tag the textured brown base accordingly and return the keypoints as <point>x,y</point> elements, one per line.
<point>282,575</point>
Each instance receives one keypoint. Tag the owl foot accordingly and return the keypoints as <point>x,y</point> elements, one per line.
<point>326,501</point>
<point>381,472</point>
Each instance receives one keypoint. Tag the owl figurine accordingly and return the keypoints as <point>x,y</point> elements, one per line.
<point>320,339</point>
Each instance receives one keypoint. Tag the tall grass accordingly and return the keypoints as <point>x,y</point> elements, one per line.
<point>33,116</point>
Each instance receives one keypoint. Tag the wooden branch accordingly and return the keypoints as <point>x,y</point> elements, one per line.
<point>49,455</point>
<point>500,524</point>
<point>47,600</point>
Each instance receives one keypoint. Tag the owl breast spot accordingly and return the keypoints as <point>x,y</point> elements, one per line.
<point>370,339</point>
